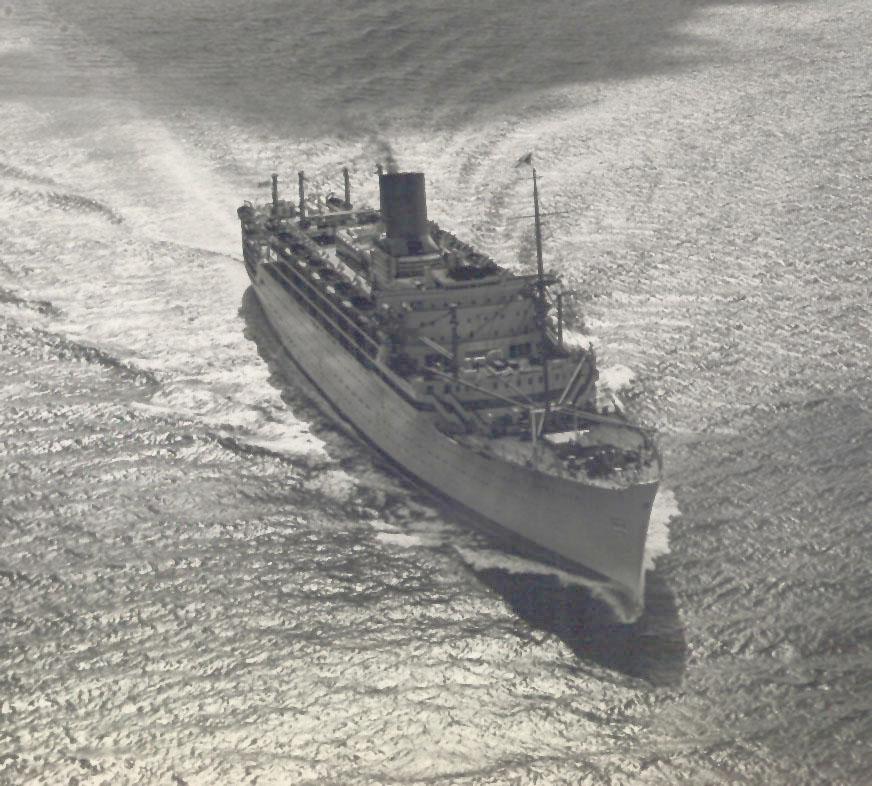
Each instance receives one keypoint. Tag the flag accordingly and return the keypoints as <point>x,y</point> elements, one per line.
<point>527,159</point>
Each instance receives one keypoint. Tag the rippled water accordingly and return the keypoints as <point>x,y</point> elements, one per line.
<point>204,579</point>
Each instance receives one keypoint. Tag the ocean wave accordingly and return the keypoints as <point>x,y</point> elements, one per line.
<point>67,349</point>
<point>291,449</point>
<point>44,307</point>
<point>405,541</point>
<point>15,173</point>
<point>21,43</point>
<point>65,202</point>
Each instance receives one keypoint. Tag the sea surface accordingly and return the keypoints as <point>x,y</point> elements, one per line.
<point>204,580</point>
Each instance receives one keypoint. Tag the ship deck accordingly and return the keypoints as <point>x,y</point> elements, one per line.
<point>545,456</point>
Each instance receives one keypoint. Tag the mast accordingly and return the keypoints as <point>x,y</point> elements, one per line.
<point>542,307</point>
<point>301,178</point>
<point>347,184</point>
<point>455,341</point>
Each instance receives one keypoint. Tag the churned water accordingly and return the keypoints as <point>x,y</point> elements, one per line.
<point>204,580</point>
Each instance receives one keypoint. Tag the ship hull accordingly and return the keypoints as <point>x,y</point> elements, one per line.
<point>598,530</point>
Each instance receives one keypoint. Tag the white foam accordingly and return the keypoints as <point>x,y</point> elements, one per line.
<point>381,526</point>
<point>244,425</point>
<point>336,484</point>
<point>21,43</point>
<point>284,440</point>
<point>577,340</point>
<point>402,540</point>
<point>665,509</point>
<point>616,378</point>
<point>489,559</point>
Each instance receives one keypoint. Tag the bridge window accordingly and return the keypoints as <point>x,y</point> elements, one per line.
<point>519,350</point>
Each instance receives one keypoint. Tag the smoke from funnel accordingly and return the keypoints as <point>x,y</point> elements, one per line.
<point>384,154</point>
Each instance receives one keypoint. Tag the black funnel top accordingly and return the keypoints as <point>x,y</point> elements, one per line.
<point>403,201</point>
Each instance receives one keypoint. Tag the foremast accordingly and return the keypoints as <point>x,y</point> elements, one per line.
<point>542,308</point>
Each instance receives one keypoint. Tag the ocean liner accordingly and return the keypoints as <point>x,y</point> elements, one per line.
<point>457,370</point>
